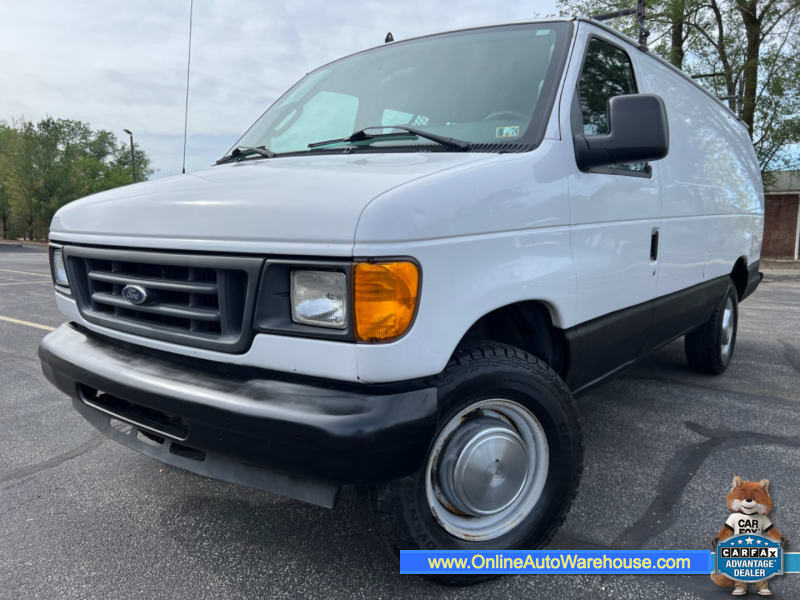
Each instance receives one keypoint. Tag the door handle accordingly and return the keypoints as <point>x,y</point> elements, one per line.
<point>654,245</point>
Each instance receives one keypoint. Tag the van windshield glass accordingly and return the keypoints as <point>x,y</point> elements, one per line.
<point>480,86</point>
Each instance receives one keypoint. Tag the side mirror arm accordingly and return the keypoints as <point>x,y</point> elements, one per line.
<point>593,150</point>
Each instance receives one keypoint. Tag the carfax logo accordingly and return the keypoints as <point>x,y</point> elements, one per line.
<point>749,558</point>
<point>748,547</point>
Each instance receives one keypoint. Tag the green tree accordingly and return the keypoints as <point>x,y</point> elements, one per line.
<point>44,165</point>
<point>6,139</point>
<point>745,51</point>
<point>120,164</point>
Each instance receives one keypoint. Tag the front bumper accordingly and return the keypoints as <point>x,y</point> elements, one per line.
<point>301,438</point>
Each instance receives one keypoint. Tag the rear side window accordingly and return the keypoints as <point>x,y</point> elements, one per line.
<point>607,72</point>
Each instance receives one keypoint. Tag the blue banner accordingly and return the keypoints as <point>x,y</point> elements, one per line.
<point>791,562</point>
<point>557,562</point>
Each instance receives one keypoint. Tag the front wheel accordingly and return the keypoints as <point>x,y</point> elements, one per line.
<point>709,349</point>
<point>503,467</point>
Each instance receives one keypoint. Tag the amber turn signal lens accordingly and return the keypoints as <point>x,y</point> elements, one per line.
<point>385,299</point>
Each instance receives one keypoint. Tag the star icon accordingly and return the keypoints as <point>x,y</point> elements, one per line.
<point>741,542</point>
<point>749,540</point>
<point>758,542</point>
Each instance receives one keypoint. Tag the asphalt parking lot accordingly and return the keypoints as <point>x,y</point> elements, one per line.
<point>82,517</point>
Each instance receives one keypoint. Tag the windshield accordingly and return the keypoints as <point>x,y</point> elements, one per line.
<point>484,86</point>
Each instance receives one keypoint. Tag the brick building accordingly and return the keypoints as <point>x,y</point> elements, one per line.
<point>782,216</point>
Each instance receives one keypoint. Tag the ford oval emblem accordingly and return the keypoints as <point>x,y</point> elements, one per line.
<point>135,294</point>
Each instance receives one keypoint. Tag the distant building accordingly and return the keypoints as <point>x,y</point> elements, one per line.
<point>782,216</point>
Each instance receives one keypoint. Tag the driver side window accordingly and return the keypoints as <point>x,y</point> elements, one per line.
<point>607,72</point>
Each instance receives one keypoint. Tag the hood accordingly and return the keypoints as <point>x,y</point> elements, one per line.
<point>303,204</point>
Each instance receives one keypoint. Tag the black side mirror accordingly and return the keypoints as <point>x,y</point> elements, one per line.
<point>638,131</point>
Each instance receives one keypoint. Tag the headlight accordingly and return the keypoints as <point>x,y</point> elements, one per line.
<point>319,298</point>
<point>59,269</point>
<point>358,300</point>
<point>385,299</point>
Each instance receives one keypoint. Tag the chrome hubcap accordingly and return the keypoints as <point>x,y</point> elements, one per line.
<point>727,328</point>
<point>487,469</point>
<point>484,466</point>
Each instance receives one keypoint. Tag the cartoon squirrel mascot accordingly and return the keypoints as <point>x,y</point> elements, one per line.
<point>749,503</point>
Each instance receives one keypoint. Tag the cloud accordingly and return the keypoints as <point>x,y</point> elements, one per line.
<point>123,64</point>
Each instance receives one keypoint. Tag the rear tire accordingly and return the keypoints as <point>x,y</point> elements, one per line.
<point>521,415</point>
<point>709,349</point>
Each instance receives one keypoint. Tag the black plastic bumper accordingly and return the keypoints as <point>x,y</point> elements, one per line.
<point>298,438</point>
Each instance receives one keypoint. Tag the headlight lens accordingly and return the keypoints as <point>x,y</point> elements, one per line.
<point>59,269</point>
<point>385,299</point>
<point>319,298</point>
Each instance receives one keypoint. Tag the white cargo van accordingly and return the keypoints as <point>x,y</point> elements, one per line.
<point>402,272</point>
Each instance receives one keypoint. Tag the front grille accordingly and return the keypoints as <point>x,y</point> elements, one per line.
<point>195,300</point>
<point>184,298</point>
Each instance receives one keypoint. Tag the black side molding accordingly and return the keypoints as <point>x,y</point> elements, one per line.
<point>754,277</point>
<point>604,345</point>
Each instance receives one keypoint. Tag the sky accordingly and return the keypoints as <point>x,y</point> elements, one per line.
<point>122,65</point>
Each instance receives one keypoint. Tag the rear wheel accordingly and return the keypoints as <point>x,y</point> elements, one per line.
<point>503,467</point>
<point>709,349</point>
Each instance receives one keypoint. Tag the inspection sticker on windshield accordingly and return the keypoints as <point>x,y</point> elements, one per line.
<point>504,132</point>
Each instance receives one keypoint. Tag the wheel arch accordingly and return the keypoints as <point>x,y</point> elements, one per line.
<point>527,325</point>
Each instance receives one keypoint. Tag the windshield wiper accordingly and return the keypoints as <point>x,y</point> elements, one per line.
<point>362,135</point>
<point>240,152</point>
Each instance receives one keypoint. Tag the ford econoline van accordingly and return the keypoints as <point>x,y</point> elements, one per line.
<point>402,272</point>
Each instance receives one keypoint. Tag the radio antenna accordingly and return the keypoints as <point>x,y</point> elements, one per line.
<point>639,11</point>
<point>186,107</point>
<point>644,33</point>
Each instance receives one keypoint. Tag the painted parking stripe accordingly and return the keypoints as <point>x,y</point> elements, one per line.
<point>24,282</point>
<point>27,323</point>
<point>25,272</point>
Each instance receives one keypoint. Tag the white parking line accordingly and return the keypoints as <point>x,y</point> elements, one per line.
<point>27,323</point>
<point>24,282</point>
<point>25,272</point>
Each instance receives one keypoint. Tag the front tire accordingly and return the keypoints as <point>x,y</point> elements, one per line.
<point>709,349</point>
<point>504,465</point>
